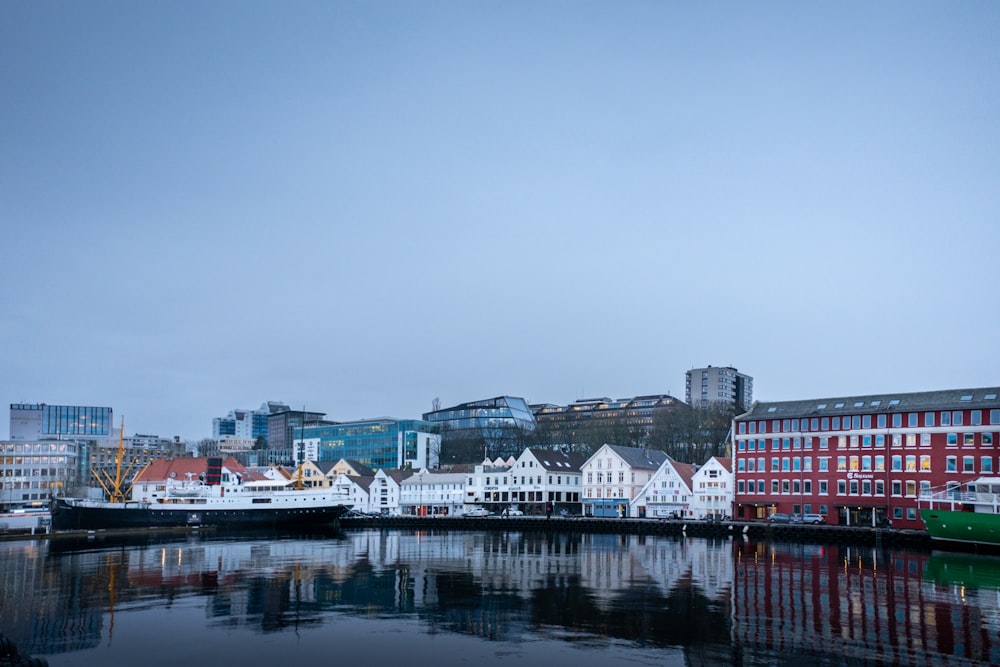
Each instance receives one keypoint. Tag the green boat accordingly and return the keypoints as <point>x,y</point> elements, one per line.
<point>964,513</point>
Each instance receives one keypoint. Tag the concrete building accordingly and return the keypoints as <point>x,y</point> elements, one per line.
<point>862,459</point>
<point>632,416</point>
<point>718,384</point>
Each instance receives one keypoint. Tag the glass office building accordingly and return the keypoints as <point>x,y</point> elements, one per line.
<point>498,421</point>
<point>385,444</point>
<point>38,421</point>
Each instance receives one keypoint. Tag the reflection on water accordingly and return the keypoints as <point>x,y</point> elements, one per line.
<point>469,597</point>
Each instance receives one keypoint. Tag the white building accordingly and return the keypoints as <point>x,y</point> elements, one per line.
<point>667,494</point>
<point>384,491</point>
<point>431,493</point>
<point>713,489</point>
<point>614,475</point>
<point>357,489</point>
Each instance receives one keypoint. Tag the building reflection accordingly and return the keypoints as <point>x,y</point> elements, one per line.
<point>722,601</point>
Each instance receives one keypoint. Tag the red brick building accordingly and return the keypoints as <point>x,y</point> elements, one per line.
<point>862,459</point>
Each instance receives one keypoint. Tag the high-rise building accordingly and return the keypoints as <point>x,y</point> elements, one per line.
<point>718,384</point>
<point>243,424</point>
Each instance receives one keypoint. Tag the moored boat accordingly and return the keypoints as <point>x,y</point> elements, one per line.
<point>964,513</point>
<point>214,492</point>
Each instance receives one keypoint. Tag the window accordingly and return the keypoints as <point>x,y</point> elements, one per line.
<point>879,487</point>
<point>928,419</point>
<point>880,464</point>
<point>897,420</point>
<point>841,463</point>
<point>925,439</point>
<point>866,441</point>
<point>760,486</point>
<point>824,463</point>
<point>911,488</point>
<point>925,463</point>
<point>897,488</point>
<point>952,439</point>
<point>881,421</point>
<point>854,463</point>
<point>911,463</point>
<point>823,490</point>
<point>824,442</point>
<point>951,464</point>
<point>986,439</point>
<point>775,464</point>
<point>945,419</point>
<point>956,418</point>
<point>897,463</point>
<point>739,487</point>
<point>841,488</point>
<point>968,464</point>
<point>774,486</point>
<point>784,464</point>
<point>968,439</point>
<point>807,464</point>
<point>977,417</point>
<point>880,441</point>
<point>986,464</point>
<point>866,463</point>
<point>854,487</point>
<point>824,424</point>
<point>866,421</point>
<point>995,416</point>
<point>911,419</point>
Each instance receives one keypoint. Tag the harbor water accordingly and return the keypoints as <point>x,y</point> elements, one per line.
<point>399,597</point>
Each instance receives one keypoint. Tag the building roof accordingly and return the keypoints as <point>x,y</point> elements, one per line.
<point>982,397</point>
<point>358,467</point>
<point>640,457</point>
<point>686,472</point>
<point>558,460</point>
<point>726,462</point>
<point>162,470</point>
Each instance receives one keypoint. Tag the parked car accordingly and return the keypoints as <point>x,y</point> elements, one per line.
<point>778,517</point>
<point>510,511</point>
<point>478,511</point>
<point>814,519</point>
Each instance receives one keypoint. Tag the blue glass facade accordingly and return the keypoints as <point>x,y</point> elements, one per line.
<point>374,443</point>
<point>486,417</point>
<point>64,420</point>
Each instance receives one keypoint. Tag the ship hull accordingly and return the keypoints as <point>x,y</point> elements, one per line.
<point>953,526</point>
<point>70,515</point>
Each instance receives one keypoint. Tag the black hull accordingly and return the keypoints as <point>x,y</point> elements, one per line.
<point>66,516</point>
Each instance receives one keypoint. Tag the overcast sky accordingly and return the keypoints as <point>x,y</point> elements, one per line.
<point>356,207</point>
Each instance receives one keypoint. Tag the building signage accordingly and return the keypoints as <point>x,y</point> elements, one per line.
<point>860,475</point>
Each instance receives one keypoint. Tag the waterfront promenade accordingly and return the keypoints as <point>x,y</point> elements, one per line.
<point>756,530</point>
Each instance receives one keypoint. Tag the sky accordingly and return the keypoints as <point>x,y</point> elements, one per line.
<point>357,208</point>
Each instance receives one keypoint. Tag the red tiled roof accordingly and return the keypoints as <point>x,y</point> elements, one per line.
<point>162,470</point>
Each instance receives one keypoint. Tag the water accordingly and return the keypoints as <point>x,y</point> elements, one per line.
<point>395,597</point>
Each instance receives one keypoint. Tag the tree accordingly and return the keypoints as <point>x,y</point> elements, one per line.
<point>260,442</point>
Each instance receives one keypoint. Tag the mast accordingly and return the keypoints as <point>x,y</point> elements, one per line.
<point>117,494</point>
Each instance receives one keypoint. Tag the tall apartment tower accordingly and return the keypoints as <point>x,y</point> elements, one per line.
<point>718,384</point>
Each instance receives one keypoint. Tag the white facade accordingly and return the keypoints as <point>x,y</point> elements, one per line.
<point>384,494</point>
<point>243,421</point>
<point>356,489</point>
<point>713,489</point>
<point>427,493</point>
<point>668,493</point>
<point>613,476</point>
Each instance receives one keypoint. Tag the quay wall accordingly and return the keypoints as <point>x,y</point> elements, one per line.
<point>757,530</point>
